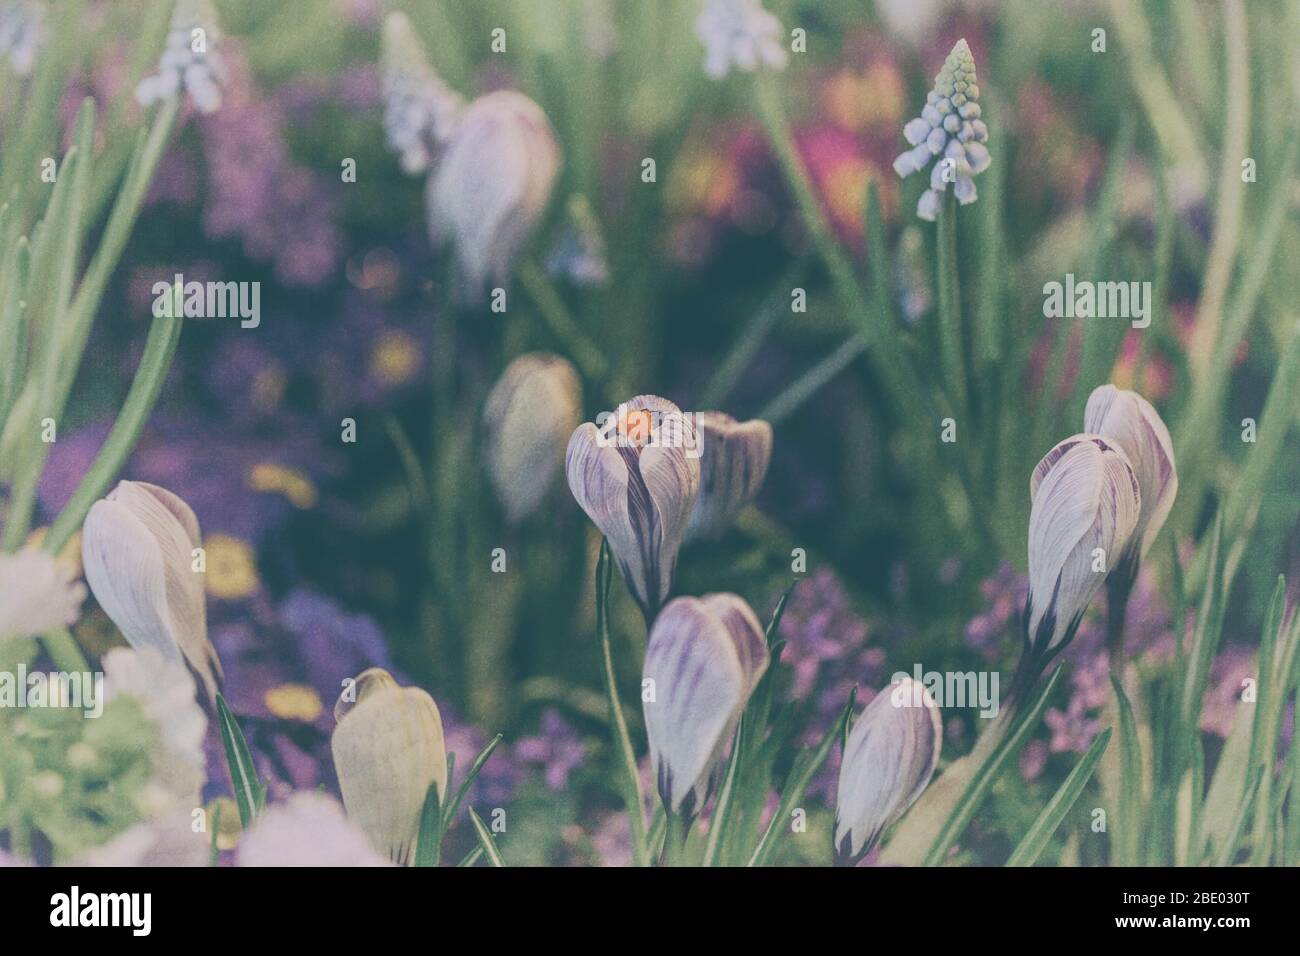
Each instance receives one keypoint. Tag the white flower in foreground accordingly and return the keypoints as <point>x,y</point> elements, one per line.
<point>189,60</point>
<point>739,33</point>
<point>1086,502</point>
<point>492,184</point>
<point>420,110</point>
<point>307,829</point>
<point>21,27</point>
<point>37,594</point>
<point>529,414</point>
<point>1131,421</point>
<point>170,841</point>
<point>733,463</point>
<point>138,550</point>
<point>949,128</point>
<point>635,476</point>
<point>889,758</point>
<point>705,657</point>
<point>388,750</point>
<point>164,689</point>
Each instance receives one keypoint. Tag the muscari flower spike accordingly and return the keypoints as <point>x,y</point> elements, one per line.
<point>21,27</point>
<point>189,59</point>
<point>740,34</point>
<point>420,110</point>
<point>949,127</point>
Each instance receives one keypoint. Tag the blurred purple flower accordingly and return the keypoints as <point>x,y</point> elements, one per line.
<point>556,749</point>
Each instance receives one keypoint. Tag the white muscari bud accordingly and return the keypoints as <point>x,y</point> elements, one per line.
<point>733,463</point>
<point>948,127</point>
<point>420,110</point>
<point>1086,502</point>
<point>22,24</point>
<point>637,474</point>
<point>37,594</point>
<point>705,656</point>
<point>198,71</point>
<point>889,757</point>
<point>531,411</point>
<point>740,34</point>
<point>388,750</point>
<point>137,550</point>
<point>492,185</point>
<point>1131,421</point>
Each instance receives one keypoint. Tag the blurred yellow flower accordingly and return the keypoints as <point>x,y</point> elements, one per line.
<point>396,358</point>
<point>293,484</point>
<point>294,702</point>
<point>231,567</point>
<point>226,821</point>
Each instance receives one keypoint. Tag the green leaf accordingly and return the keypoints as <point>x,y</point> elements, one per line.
<point>485,839</point>
<point>470,777</point>
<point>428,844</point>
<point>249,791</point>
<point>1040,833</point>
<point>987,773</point>
<point>1129,826</point>
<point>472,857</point>
<point>1228,851</point>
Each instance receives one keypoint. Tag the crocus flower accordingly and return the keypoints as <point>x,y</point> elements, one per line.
<point>739,33</point>
<point>733,463</point>
<point>533,407</point>
<point>139,549</point>
<point>1129,420</point>
<point>705,657</point>
<point>1086,501</point>
<point>420,110</point>
<point>636,475</point>
<point>949,127</point>
<point>492,185</point>
<point>889,758</point>
<point>21,26</point>
<point>37,594</point>
<point>307,829</point>
<point>388,750</point>
<point>189,59</point>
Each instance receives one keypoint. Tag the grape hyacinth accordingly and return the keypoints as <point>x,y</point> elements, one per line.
<point>420,110</point>
<point>739,33</point>
<point>189,59</point>
<point>21,23</point>
<point>949,126</point>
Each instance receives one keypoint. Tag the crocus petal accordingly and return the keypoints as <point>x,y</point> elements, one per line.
<point>1137,427</point>
<point>137,550</point>
<point>704,658</point>
<point>733,463</point>
<point>1085,496</point>
<point>388,750</point>
<point>889,758</point>
<point>528,416</point>
<point>37,594</point>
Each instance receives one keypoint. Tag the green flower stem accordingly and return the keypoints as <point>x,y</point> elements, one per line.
<point>159,348</point>
<point>65,652</point>
<point>562,324</point>
<point>950,332</point>
<point>810,382</point>
<point>678,829</point>
<point>632,796</point>
<point>878,334</point>
<point>1040,833</point>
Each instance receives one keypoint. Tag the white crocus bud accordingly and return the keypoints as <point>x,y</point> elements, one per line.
<point>529,414</point>
<point>637,474</point>
<point>492,185</point>
<point>1086,502</point>
<point>139,548</point>
<point>388,750</point>
<point>733,463</point>
<point>704,659</point>
<point>37,594</point>
<point>889,758</point>
<point>1128,419</point>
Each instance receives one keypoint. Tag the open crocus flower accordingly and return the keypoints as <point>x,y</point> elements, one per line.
<point>889,758</point>
<point>739,33</point>
<point>388,750</point>
<point>637,475</point>
<point>138,548</point>
<point>949,127</point>
<point>733,463</point>
<point>492,184</point>
<point>1129,420</point>
<point>704,659</point>
<point>1086,502</point>
<point>531,410</point>
<point>37,594</point>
